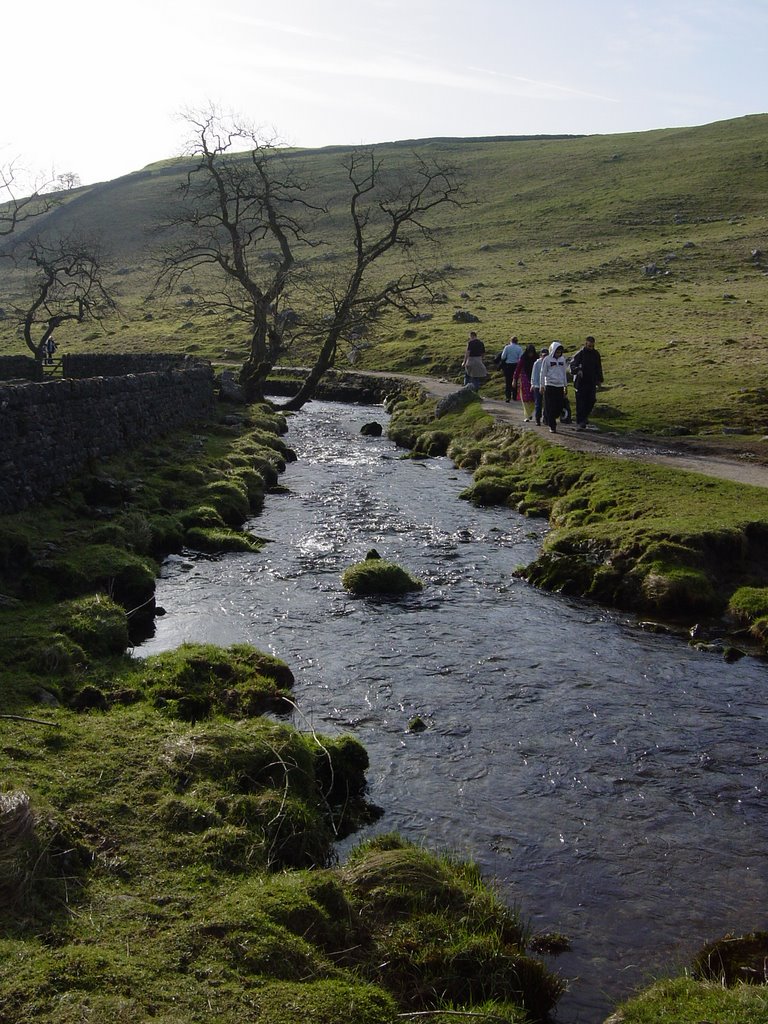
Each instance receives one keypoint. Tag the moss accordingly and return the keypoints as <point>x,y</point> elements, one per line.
<point>441,934</point>
<point>749,603</point>
<point>326,1002</point>
<point>95,624</point>
<point>374,576</point>
<point>204,516</point>
<point>217,539</point>
<point>687,1001</point>
<point>195,679</point>
<point>230,499</point>
<point>129,579</point>
<point>678,590</point>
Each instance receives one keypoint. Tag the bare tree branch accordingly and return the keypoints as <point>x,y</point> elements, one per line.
<point>65,284</point>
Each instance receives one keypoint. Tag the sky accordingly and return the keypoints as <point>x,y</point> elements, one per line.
<point>99,88</point>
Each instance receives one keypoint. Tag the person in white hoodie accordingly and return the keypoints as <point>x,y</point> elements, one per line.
<point>554,381</point>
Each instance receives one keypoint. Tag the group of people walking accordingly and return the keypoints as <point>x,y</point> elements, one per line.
<point>540,378</point>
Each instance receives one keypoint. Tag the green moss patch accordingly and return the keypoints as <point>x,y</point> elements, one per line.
<point>374,576</point>
<point>195,680</point>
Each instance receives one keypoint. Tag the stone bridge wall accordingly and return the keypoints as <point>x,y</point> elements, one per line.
<point>52,431</point>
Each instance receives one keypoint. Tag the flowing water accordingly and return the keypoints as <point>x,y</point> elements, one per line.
<point>609,780</point>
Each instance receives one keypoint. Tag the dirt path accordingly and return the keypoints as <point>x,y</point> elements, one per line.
<point>742,463</point>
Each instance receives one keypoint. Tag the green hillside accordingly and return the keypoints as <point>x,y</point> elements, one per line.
<point>655,242</point>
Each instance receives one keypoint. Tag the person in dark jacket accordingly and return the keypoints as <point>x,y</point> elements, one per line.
<point>587,372</point>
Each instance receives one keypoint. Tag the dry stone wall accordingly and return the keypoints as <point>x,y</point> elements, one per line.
<point>51,431</point>
<point>110,364</point>
<point>20,368</point>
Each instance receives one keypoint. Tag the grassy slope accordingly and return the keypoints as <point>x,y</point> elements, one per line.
<point>553,245</point>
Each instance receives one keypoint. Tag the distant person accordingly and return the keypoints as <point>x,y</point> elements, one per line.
<point>49,348</point>
<point>510,357</point>
<point>587,373</point>
<point>554,379</point>
<point>475,370</point>
<point>537,386</point>
<point>523,376</point>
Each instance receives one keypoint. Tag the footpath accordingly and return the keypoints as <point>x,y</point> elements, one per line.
<point>694,455</point>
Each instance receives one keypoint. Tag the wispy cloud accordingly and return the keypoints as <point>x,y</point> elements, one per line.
<point>547,90</point>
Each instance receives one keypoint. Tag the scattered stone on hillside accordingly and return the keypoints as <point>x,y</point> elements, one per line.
<point>417,318</point>
<point>728,296</point>
<point>455,401</point>
<point>372,429</point>
<point>463,316</point>
<point>650,269</point>
<point>689,245</point>
<point>464,295</point>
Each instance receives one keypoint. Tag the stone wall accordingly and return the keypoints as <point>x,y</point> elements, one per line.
<point>52,431</point>
<point>111,365</point>
<point>20,368</point>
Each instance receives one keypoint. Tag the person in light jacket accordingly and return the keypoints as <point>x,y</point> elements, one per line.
<point>510,357</point>
<point>554,380</point>
<point>538,390</point>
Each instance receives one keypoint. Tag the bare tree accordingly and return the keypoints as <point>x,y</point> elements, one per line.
<point>245,215</point>
<point>22,199</point>
<point>250,217</point>
<point>65,284</point>
<point>389,212</point>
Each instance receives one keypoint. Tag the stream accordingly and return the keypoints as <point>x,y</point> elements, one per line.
<point>610,781</point>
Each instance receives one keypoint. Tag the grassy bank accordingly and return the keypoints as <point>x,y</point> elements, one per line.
<point>166,836</point>
<point>663,543</point>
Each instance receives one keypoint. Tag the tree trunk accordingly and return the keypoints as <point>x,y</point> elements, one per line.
<point>325,361</point>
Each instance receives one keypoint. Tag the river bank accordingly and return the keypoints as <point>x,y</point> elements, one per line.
<point>167,836</point>
<point>171,788</point>
<point>665,543</point>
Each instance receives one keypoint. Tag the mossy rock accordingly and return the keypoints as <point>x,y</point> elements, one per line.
<point>749,603</point>
<point>375,576</point>
<point>678,590</point>
<point>216,539</point>
<point>253,482</point>
<point>230,499</point>
<point>205,516</point>
<point>194,680</point>
<point>438,929</point>
<point>433,443</point>
<point>95,624</point>
<point>129,579</point>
